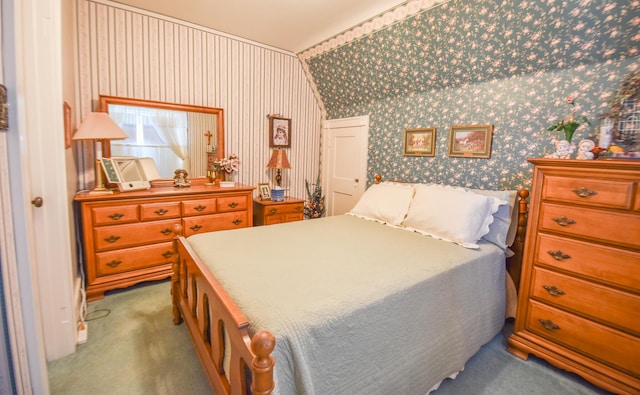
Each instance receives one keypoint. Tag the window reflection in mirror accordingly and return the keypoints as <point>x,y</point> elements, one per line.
<point>175,136</point>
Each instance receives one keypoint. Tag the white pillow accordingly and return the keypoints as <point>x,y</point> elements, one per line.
<point>386,202</point>
<point>451,214</point>
<point>499,230</point>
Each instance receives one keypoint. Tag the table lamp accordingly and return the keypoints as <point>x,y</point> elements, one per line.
<point>278,161</point>
<point>98,126</point>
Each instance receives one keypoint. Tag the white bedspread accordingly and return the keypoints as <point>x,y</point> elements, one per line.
<point>358,307</point>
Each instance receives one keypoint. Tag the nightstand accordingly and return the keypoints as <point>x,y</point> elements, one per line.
<point>267,212</point>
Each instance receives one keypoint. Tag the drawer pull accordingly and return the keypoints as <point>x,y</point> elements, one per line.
<point>116,216</point>
<point>167,254</point>
<point>564,221</point>
<point>233,205</point>
<point>113,264</point>
<point>196,228</point>
<point>299,208</point>
<point>161,211</point>
<point>584,192</point>
<point>237,221</point>
<point>549,325</point>
<point>112,239</point>
<point>553,290</point>
<point>166,232</point>
<point>273,211</point>
<point>199,208</point>
<point>559,255</point>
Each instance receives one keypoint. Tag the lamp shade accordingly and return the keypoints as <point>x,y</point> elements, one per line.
<point>279,160</point>
<point>99,126</point>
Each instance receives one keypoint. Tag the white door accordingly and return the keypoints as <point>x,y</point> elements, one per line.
<point>344,162</point>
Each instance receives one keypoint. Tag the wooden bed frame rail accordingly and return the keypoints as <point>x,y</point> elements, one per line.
<point>218,327</point>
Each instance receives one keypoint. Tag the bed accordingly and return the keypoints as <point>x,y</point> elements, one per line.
<point>392,297</point>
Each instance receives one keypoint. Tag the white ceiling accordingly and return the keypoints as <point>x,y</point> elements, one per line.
<point>292,25</point>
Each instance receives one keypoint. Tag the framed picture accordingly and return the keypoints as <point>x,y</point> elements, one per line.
<point>472,141</point>
<point>66,110</point>
<point>265,191</point>
<point>419,142</point>
<point>279,132</point>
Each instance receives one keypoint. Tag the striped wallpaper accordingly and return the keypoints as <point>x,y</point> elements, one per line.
<point>124,51</point>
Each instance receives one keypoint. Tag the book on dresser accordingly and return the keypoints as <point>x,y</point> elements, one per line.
<point>579,295</point>
<point>127,237</point>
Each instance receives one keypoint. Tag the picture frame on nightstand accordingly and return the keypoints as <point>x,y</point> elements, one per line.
<point>264,190</point>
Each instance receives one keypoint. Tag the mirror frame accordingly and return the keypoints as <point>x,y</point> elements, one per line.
<point>103,106</point>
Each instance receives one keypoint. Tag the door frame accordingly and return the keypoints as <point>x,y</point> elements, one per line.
<point>327,152</point>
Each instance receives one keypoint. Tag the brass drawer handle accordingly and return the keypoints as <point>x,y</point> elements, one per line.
<point>553,290</point>
<point>166,232</point>
<point>236,221</point>
<point>196,228</point>
<point>549,325</point>
<point>167,254</point>
<point>299,208</point>
<point>161,211</point>
<point>559,255</point>
<point>233,204</point>
<point>273,211</point>
<point>584,192</point>
<point>564,221</point>
<point>112,239</point>
<point>199,208</point>
<point>114,263</point>
<point>116,216</point>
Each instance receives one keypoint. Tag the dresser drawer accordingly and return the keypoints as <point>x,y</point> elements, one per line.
<point>209,223</point>
<point>198,207</point>
<point>600,342</point>
<point>597,192</point>
<point>113,237</point>
<point>155,211</point>
<point>605,304</point>
<point>128,259</point>
<point>602,263</point>
<point>232,203</point>
<point>114,214</point>
<point>617,228</point>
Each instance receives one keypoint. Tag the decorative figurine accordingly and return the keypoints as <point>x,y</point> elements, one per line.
<point>181,178</point>
<point>585,148</point>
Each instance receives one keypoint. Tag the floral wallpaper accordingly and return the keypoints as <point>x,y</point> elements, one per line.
<point>507,63</point>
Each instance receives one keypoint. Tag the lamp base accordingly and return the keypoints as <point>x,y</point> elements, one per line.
<point>101,191</point>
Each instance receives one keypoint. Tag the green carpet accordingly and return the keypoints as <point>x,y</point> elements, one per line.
<point>134,348</point>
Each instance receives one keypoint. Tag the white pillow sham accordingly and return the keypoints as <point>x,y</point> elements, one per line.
<point>502,230</point>
<point>451,214</point>
<point>387,202</point>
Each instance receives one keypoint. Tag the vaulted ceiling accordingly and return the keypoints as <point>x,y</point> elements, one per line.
<point>292,25</point>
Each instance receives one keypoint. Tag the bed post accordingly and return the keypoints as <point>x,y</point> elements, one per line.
<point>262,344</point>
<point>175,277</point>
<point>515,262</point>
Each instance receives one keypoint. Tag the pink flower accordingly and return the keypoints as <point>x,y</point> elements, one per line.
<point>569,99</point>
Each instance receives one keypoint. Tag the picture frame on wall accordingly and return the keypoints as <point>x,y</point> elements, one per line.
<point>264,191</point>
<point>470,141</point>
<point>419,142</point>
<point>279,132</point>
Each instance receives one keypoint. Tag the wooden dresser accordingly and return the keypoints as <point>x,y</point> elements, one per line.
<point>127,237</point>
<point>579,301</point>
<point>268,212</point>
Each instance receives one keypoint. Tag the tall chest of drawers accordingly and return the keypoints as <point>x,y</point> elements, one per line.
<point>579,301</point>
<point>128,237</point>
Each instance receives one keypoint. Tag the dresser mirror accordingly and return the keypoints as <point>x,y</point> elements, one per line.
<point>176,136</point>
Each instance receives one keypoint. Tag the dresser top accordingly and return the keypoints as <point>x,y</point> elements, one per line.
<point>201,189</point>
<point>613,164</point>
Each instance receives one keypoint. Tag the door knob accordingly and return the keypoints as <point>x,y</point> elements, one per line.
<point>37,201</point>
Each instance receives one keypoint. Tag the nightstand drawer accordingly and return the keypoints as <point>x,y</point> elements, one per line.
<point>597,192</point>
<point>598,341</point>
<point>113,237</point>
<point>155,211</point>
<point>617,228</point>
<point>284,209</point>
<point>602,263</point>
<point>128,259</point>
<point>112,215</point>
<point>605,304</point>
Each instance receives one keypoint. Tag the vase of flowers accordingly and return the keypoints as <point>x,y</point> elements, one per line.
<point>571,123</point>
<point>227,167</point>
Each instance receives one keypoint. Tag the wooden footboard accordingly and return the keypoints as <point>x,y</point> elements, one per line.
<point>234,361</point>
